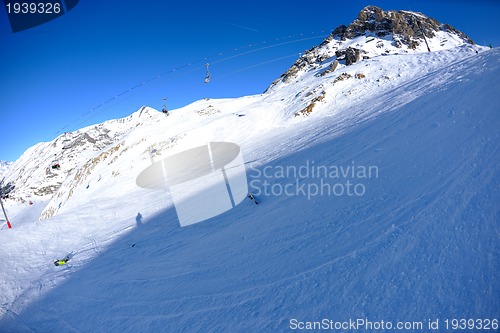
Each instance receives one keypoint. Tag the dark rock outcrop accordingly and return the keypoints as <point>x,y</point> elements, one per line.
<point>330,69</point>
<point>350,55</point>
<point>408,28</point>
<point>342,77</point>
<point>309,108</point>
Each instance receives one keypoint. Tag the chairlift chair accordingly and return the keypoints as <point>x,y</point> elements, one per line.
<point>207,78</point>
<point>164,110</point>
<point>54,163</point>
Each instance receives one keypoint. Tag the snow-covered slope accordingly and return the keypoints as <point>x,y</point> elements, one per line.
<point>416,240</point>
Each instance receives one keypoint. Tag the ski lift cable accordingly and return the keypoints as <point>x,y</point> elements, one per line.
<point>187,65</point>
<point>158,101</point>
<point>107,169</point>
<point>244,69</point>
<point>116,97</point>
<point>176,69</point>
<point>238,55</point>
<point>256,65</point>
<point>95,114</point>
<point>266,47</point>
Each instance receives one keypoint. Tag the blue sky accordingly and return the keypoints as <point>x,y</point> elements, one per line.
<point>53,77</point>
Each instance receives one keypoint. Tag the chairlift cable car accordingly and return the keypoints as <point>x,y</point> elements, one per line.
<point>164,110</point>
<point>207,78</point>
<point>240,52</point>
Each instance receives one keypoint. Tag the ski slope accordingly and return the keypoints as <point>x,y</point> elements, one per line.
<point>420,244</point>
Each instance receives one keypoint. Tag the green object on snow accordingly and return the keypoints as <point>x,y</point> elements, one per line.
<point>61,262</point>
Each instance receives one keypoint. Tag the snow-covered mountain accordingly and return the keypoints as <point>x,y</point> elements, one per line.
<point>414,238</point>
<point>51,171</point>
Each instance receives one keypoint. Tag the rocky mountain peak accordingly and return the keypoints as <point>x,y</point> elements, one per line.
<point>373,33</point>
<point>406,27</point>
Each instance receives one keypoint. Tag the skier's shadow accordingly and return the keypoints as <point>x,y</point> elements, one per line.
<point>138,219</point>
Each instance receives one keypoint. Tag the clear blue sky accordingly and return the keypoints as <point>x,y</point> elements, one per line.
<point>53,74</point>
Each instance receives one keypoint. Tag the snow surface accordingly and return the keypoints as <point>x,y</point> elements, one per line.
<point>420,244</point>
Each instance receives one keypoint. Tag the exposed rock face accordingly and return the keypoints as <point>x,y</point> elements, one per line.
<point>408,31</point>
<point>330,69</point>
<point>350,55</point>
<point>309,108</point>
<point>312,57</point>
<point>407,27</point>
<point>342,77</point>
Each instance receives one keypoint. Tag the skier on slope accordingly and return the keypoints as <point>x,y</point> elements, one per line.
<point>252,197</point>
<point>60,262</point>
